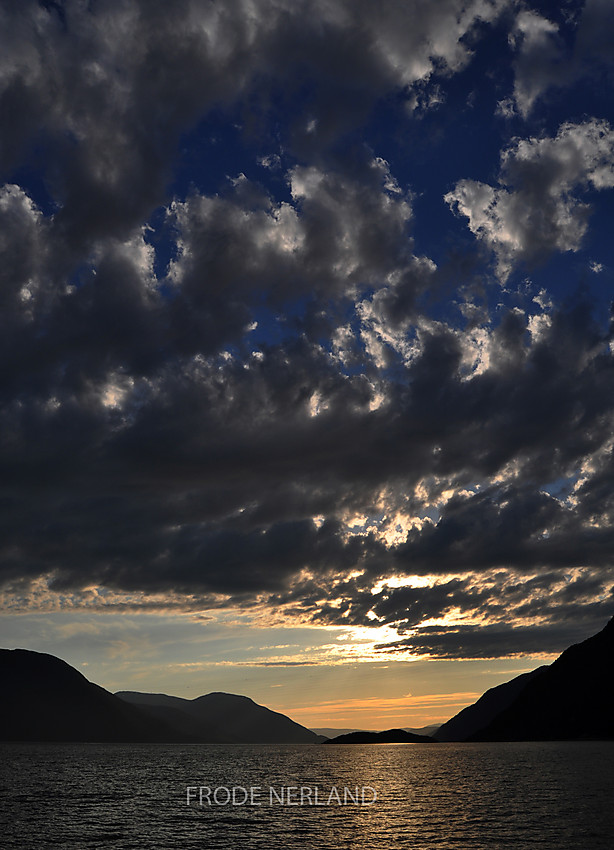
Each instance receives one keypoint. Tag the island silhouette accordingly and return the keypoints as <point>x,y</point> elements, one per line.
<point>388,736</point>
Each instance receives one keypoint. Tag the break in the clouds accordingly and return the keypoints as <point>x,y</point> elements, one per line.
<point>251,354</point>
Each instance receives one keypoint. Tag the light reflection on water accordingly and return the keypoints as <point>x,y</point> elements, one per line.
<point>556,796</point>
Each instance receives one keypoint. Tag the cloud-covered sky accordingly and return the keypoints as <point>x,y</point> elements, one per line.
<point>305,335</point>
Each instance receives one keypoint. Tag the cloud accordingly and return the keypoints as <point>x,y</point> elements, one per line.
<point>260,393</point>
<point>540,61</point>
<point>339,234</point>
<point>101,93</point>
<point>557,55</point>
<point>24,249</point>
<point>481,642</point>
<point>537,208</point>
<point>208,475</point>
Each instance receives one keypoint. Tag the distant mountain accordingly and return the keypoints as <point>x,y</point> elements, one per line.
<point>390,736</point>
<point>225,718</point>
<point>572,699</point>
<point>429,731</point>
<point>45,699</point>
<point>475,717</point>
<point>329,732</point>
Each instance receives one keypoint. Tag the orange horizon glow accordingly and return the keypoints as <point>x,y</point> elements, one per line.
<point>374,713</point>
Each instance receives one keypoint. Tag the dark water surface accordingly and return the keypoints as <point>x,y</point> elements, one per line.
<point>538,796</point>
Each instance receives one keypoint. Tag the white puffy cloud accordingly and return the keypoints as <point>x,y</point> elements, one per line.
<point>536,209</point>
<point>413,38</point>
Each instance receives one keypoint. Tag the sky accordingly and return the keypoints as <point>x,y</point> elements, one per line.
<point>306,361</point>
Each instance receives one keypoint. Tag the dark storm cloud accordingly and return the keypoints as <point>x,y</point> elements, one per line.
<point>270,407</point>
<point>400,607</point>
<point>492,641</point>
<point>208,476</point>
<point>555,603</point>
<point>339,233</point>
<point>527,530</point>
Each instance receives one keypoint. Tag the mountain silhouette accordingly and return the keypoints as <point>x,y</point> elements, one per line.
<point>572,699</point>
<point>226,718</point>
<point>45,699</point>
<point>389,736</point>
<point>475,717</point>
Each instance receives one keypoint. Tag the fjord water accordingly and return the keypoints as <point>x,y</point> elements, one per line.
<point>553,796</point>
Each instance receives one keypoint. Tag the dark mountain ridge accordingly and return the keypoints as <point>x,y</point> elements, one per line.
<point>45,699</point>
<point>233,718</point>
<point>475,717</point>
<point>572,699</point>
